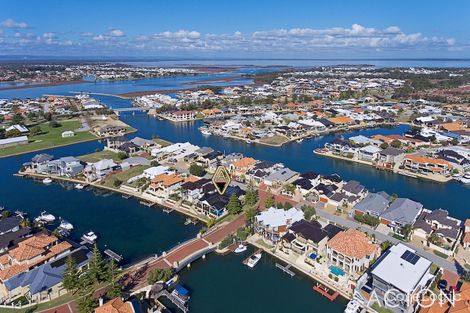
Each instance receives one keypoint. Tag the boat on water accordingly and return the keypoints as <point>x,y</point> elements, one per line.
<point>299,140</point>
<point>249,142</point>
<point>45,218</point>
<point>253,259</point>
<point>181,294</point>
<point>241,248</point>
<point>205,131</point>
<point>65,225</point>
<point>90,237</point>
<point>465,178</point>
<point>353,307</point>
<point>79,186</point>
<point>47,181</point>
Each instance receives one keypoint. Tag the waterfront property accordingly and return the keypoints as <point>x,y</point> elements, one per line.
<point>399,269</point>
<point>351,251</point>
<point>273,223</point>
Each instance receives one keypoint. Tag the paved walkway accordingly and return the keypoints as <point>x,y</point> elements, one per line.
<point>383,237</point>
<point>138,277</point>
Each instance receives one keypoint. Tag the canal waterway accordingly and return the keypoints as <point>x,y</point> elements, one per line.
<point>219,283</point>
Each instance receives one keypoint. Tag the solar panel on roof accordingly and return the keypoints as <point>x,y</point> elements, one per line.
<point>410,257</point>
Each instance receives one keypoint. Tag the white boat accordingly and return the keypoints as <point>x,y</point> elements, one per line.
<point>47,181</point>
<point>79,186</point>
<point>254,259</point>
<point>90,237</point>
<point>465,178</point>
<point>352,307</point>
<point>299,140</point>
<point>205,131</point>
<point>45,218</point>
<point>248,141</point>
<point>65,225</point>
<point>241,248</point>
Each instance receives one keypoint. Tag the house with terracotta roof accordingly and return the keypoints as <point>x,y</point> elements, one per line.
<point>30,253</point>
<point>351,250</point>
<point>165,184</point>
<point>425,165</point>
<point>241,166</point>
<point>462,303</point>
<point>182,115</point>
<point>341,120</point>
<point>116,305</point>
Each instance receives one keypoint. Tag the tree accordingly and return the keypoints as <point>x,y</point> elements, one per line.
<point>96,267</point>
<point>251,197</point>
<point>384,145</point>
<point>406,231</point>
<point>13,133</point>
<point>309,211</point>
<point>396,143</point>
<point>269,201</point>
<point>196,170</point>
<point>86,303</point>
<point>121,155</point>
<point>71,274</point>
<point>234,206</point>
<point>35,130</point>
<point>17,119</point>
<point>114,289</point>
<point>250,213</point>
<point>117,183</point>
<point>54,124</point>
<point>157,275</point>
<point>385,245</point>
<point>6,214</point>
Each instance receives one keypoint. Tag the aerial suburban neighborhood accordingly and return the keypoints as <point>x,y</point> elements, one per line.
<point>209,157</point>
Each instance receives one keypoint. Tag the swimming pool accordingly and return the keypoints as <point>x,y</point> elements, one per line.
<point>336,271</point>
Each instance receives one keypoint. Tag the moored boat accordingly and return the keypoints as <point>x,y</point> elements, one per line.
<point>90,237</point>
<point>79,186</point>
<point>47,181</point>
<point>45,218</point>
<point>352,307</point>
<point>241,248</point>
<point>465,178</point>
<point>65,225</point>
<point>253,259</point>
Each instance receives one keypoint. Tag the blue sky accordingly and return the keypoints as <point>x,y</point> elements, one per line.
<point>277,29</point>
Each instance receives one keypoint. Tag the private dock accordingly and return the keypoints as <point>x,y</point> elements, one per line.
<point>118,258</point>
<point>245,261</point>
<point>286,269</point>
<point>126,196</point>
<point>326,292</point>
<point>147,203</point>
<point>168,210</point>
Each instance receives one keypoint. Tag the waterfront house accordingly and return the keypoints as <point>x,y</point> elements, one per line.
<point>341,120</point>
<point>364,141</point>
<point>351,251</point>
<point>401,212</point>
<point>110,131</point>
<point>399,269</point>
<point>343,148</point>
<point>305,238</point>
<point>153,171</point>
<point>117,305</point>
<point>39,162</point>
<point>10,224</point>
<point>31,253</point>
<point>11,239</point>
<point>390,156</point>
<point>66,166</point>
<point>212,203</point>
<point>100,169</point>
<point>144,144</point>
<point>438,222</point>
<point>354,188</point>
<point>273,223</point>
<point>368,153</point>
<point>466,236</point>
<point>240,167</point>
<point>164,185</point>
<point>193,190</point>
<point>425,165</point>
<point>44,282</point>
<point>113,143</point>
<point>182,115</point>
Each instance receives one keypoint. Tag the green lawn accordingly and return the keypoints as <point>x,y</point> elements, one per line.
<point>51,137</point>
<point>162,142</point>
<point>96,156</point>
<point>125,175</point>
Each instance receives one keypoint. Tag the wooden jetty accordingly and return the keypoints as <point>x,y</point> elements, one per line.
<point>326,292</point>
<point>286,269</point>
<point>118,258</point>
<point>147,203</point>
<point>168,210</point>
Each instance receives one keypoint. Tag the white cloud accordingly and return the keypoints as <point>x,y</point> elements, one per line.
<point>116,33</point>
<point>10,23</point>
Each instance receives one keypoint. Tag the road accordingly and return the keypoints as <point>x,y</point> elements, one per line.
<point>382,237</point>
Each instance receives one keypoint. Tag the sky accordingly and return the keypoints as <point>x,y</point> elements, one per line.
<point>236,29</point>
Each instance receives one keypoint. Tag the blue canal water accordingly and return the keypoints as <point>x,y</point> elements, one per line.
<point>220,283</point>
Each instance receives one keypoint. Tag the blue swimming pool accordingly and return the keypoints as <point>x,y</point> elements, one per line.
<point>336,271</point>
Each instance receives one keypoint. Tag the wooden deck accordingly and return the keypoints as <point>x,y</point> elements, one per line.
<point>326,292</point>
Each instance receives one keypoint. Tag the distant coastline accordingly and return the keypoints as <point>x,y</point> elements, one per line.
<point>50,84</point>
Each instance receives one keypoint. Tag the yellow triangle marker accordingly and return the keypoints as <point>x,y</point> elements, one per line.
<point>221,179</point>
